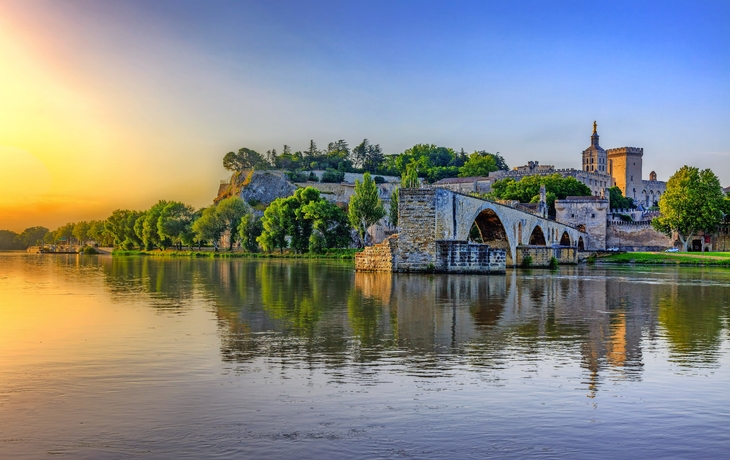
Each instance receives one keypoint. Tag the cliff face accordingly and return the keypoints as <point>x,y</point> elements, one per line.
<point>257,186</point>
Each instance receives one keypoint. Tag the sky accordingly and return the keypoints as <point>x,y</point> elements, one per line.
<point>108,104</point>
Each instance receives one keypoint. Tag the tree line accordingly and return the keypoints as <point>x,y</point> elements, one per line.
<point>303,222</point>
<point>431,162</point>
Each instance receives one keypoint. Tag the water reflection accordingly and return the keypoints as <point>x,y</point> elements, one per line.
<point>322,314</point>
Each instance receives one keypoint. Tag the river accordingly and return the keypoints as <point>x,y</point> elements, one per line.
<point>142,357</point>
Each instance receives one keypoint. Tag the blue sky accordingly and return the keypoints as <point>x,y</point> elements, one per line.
<point>187,81</point>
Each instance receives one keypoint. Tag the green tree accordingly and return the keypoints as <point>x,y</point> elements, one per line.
<point>693,203</point>
<point>409,179</point>
<point>209,227</point>
<point>120,226</point>
<point>365,207</point>
<point>330,225</point>
<point>528,189</point>
<point>273,235</point>
<point>81,231</point>
<point>243,159</point>
<point>249,229</point>
<point>479,164</point>
<point>151,236</point>
<point>393,211</point>
<point>175,223</point>
<point>298,217</point>
<point>367,156</point>
<point>617,199</point>
<point>230,211</point>
<point>9,240</point>
<point>32,236</point>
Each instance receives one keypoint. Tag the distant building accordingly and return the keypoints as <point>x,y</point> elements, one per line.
<point>602,169</point>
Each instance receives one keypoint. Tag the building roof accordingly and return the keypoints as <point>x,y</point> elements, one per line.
<point>726,190</point>
<point>461,180</point>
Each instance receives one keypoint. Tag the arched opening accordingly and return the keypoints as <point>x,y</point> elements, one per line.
<point>537,237</point>
<point>581,246</point>
<point>565,239</point>
<point>491,231</point>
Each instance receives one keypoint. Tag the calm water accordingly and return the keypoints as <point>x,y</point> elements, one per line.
<point>145,358</point>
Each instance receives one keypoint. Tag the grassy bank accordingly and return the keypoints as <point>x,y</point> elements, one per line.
<point>669,258</point>
<point>345,254</point>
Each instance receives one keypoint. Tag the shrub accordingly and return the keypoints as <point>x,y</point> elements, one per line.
<point>89,250</point>
<point>553,263</point>
<point>333,176</point>
<point>527,261</point>
<point>297,176</point>
<point>313,177</point>
<point>379,179</point>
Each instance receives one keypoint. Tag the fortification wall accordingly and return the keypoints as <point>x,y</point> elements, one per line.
<point>636,236</point>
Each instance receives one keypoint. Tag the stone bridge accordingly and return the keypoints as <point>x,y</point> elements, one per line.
<point>435,227</point>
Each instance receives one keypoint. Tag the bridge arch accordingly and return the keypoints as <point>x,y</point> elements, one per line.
<point>565,239</point>
<point>537,237</point>
<point>493,232</point>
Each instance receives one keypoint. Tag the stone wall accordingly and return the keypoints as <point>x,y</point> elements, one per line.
<point>463,257</point>
<point>417,219</point>
<point>377,258</point>
<point>587,212</point>
<point>636,236</point>
<point>541,255</point>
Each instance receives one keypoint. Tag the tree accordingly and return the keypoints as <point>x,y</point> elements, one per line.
<point>273,235</point>
<point>365,207</point>
<point>617,199</point>
<point>367,156</point>
<point>243,159</point>
<point>31,236</point>
<point>121,227</point>
<point>151,236</point>
<point>81,231</point>
<point>479,164</point>
<point>693,203</point>
<point>209,227</point>
<point>9,240</point>
<point>175,223</point>
<point>393,211</point>
<point>409,179</point>
<point>249,229</point>
<point>229,212</point>
<point>528,189</point>
<point>307,220</point>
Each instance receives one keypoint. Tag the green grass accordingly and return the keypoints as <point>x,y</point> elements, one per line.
<point>346,254</point>
<point>669,258</point>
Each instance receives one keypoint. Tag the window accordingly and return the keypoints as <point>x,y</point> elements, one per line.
<point>593,216</point>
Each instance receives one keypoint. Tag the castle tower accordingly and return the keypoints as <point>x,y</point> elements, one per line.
<point>624,164</point>
<point>594,157</point>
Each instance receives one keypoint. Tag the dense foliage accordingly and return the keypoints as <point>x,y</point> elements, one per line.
<point>617,200</point>
<point>303,222</point>
<point>693,203</point>
<point>527,190</point>
<point>431,162</point>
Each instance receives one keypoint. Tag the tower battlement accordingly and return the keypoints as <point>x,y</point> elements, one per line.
<point>626,151</point>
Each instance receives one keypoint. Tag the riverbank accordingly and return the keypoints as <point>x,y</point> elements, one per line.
<point>342,254</point>
<point>716,259</point>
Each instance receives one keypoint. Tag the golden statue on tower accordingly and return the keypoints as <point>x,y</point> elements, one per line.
<point>595,125</point>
